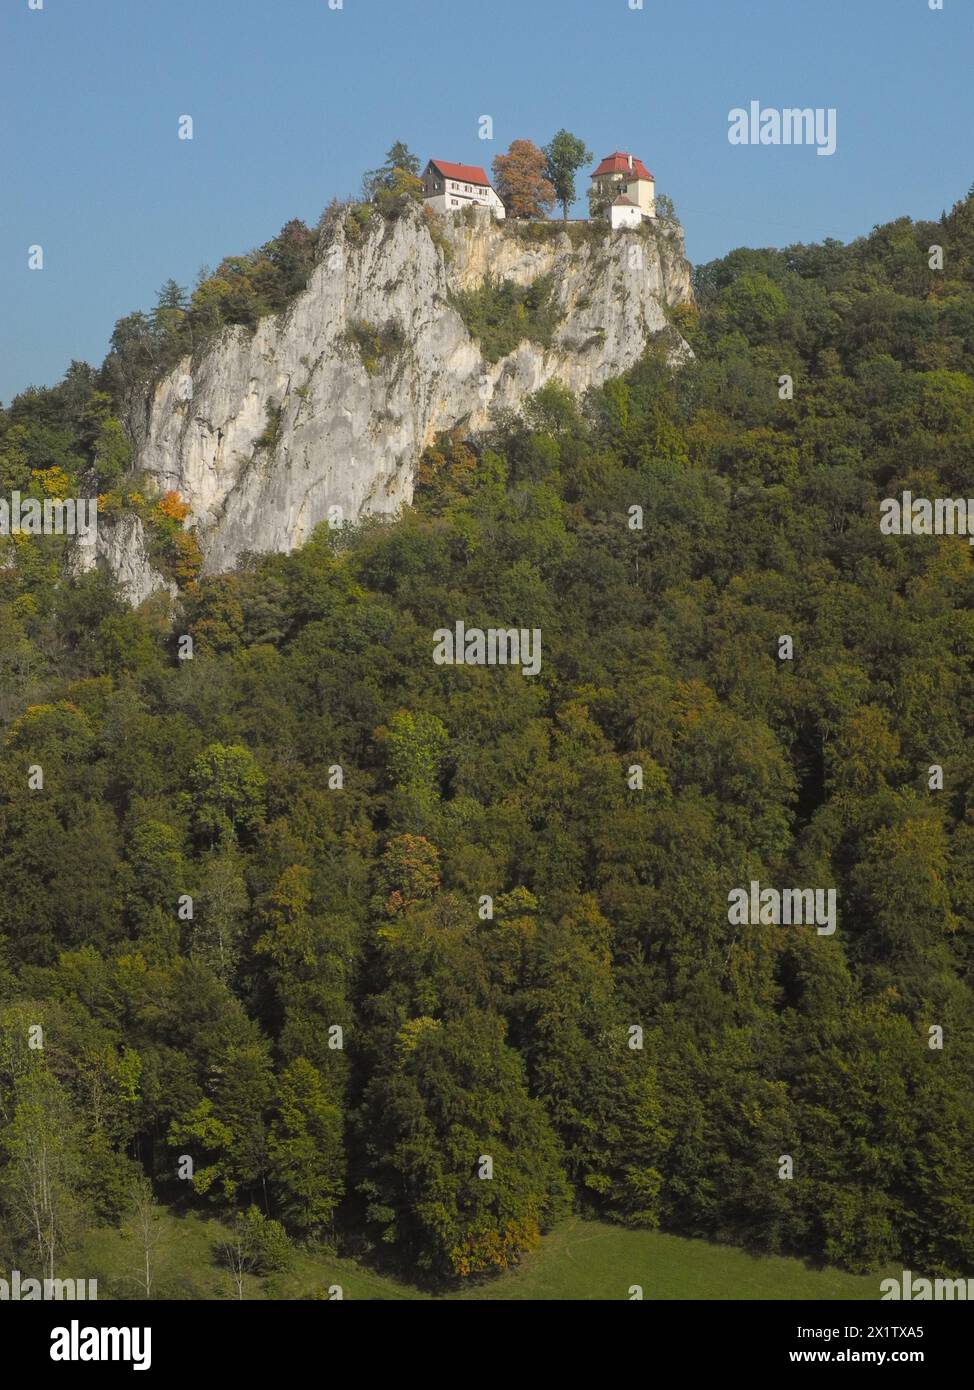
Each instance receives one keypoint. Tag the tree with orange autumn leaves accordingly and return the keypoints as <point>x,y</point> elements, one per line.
<point>173,506</point>
<point>519,177</point>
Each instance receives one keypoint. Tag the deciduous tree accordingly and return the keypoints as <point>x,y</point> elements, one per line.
<point>521,181</point>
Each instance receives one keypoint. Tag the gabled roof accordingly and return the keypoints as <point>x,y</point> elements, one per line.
<point>623,202</point>
<point>618,163</point>
<point>464,173</point>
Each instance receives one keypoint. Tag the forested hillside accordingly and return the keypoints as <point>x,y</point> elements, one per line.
<point>337,1036</point>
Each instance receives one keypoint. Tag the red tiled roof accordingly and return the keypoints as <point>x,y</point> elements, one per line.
<point>618,163</point>
<point>465,173</point>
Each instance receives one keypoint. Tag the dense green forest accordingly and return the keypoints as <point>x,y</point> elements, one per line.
<point>331,1029</point>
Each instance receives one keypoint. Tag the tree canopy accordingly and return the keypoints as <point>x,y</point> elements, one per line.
<point>521,181</point>
<point>488,973</point>
<point>564,156</point>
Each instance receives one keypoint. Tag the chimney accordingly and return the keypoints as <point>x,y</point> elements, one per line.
<point>630,161</point>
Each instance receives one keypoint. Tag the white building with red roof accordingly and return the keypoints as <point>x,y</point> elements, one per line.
<point>450,187</point>
<point>623,190</point>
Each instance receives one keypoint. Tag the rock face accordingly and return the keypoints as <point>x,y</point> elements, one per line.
<point>124,550</point>
<point>272,429</point>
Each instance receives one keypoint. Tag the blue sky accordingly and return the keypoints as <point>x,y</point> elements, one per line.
<point>291,100</point>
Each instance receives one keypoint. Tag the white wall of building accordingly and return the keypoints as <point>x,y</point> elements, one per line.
<point>645,196</point>
<point>457,195</point>
<point>642,192</point>
<point>625,217</point>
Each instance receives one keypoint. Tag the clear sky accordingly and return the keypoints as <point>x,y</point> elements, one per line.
<point>291,100</point>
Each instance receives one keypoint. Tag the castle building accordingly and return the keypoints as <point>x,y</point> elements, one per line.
<point>624,189</point>
<point>450,187</point>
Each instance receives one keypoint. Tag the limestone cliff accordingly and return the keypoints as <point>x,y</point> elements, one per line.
<point>270,429</point>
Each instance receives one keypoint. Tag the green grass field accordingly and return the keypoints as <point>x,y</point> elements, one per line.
<point>579,1261</point>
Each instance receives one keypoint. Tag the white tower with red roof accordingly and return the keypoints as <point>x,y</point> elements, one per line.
<point>623,190</point>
